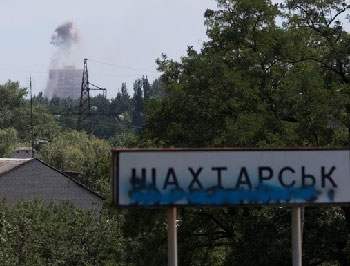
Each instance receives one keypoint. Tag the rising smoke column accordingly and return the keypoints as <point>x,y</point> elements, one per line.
<point>65,35</point>
<point>66,40</point>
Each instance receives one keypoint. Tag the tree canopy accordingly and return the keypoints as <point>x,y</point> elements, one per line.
<point>269,75</point>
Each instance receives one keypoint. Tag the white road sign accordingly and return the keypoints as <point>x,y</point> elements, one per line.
<point>222,177</point>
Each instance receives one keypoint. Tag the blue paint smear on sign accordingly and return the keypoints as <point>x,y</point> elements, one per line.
<point>263,194</point>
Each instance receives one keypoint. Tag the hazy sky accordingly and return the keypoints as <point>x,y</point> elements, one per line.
<point>120,38</point>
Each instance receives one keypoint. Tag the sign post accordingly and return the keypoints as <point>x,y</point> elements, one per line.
<point>172,237</point>
<point>296,236</point>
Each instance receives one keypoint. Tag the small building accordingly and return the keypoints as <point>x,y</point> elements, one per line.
<point>24,152</point>
<point>30,178</point>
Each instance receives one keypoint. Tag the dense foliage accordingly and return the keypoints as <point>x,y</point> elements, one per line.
<point>270,75</point>
<point>34,233</point>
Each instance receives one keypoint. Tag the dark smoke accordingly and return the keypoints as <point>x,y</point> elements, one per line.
<point>65,35</point>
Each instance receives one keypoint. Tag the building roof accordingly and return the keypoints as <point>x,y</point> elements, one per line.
<point>7,164</point>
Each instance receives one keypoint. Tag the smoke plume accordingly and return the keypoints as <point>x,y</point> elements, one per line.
<point>65,35</point>
<point>66,40</point>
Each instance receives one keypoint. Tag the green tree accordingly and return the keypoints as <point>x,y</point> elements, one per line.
<point>12,104</point>
<point>325,45</point>
<point>122,103</point>
<point>157,89</point>
<point>29,121</point>
<point>258,83</point>
<point>12,97</point>
<point>45,125</point>
<point>138,101</point>
<point>214,96</point>
<point>76,151</point>
<point>122,140</point>
<point>36,233</point>
<point>8,141</point>
<point>255,83</point>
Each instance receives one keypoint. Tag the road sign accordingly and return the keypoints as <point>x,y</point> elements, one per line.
<point>227,177</point>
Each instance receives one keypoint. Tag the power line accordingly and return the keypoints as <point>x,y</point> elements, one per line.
<point>122,66</point>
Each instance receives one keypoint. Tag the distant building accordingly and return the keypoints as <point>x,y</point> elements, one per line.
<point>24,152</point>
<point>64,83</point>
<point>29,179</point>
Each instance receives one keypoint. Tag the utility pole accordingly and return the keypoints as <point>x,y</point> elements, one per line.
<point>31,116</point>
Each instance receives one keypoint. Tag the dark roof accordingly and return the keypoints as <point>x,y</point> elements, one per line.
<point>9,164</point>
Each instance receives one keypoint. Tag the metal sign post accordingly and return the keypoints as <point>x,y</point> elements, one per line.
<point>172,237</point>
<point>296,236</point>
